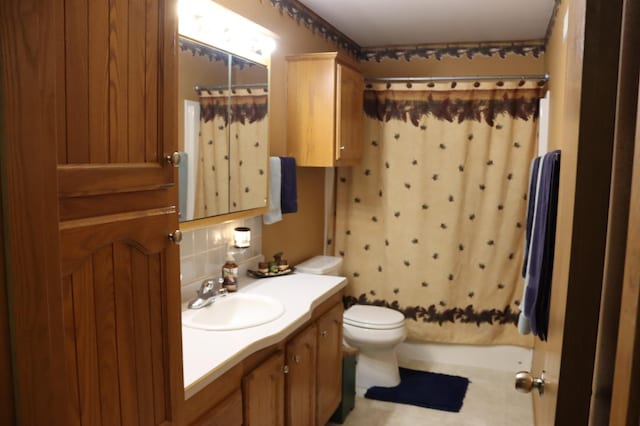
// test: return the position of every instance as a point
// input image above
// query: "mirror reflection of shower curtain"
(191, 131)
(212, 177)
(249, 131)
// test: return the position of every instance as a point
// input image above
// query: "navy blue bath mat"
(424, 389)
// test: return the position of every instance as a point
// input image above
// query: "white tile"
(186, 246)
(200, 240)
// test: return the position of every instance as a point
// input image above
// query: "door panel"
(115, 297)
(301, 379)
(263, 390)
(329, 371)
(113, 123)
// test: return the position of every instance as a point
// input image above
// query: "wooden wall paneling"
(75, 149)
(105, 311)
(98, 75)
(152, 144)
(32, 73)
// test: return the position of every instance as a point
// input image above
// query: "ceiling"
(377, 23)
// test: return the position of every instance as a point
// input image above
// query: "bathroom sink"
(234, 312)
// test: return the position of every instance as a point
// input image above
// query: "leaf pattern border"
(431, 314)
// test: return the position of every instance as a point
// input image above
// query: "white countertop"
(207, 355)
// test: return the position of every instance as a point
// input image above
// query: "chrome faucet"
(208, 293)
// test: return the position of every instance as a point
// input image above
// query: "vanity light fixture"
(212, 24)
(242, 237)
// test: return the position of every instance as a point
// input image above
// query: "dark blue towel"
(541, 251)
(531, 199)
(289, 191)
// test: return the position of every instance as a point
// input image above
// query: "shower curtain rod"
(544, 77)
(233, 86)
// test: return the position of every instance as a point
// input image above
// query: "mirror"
(223, 112)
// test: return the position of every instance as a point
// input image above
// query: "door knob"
(525, 382)
(173, 159)
(175, 236)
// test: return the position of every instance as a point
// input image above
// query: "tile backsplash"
(203, 252)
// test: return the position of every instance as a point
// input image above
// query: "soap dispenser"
(230, 273)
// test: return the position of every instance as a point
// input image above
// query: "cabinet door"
(227, 413)
(122, 319)
(263, 390)
(349, 104)
(118, 111)
(301, 379)
(329, 385)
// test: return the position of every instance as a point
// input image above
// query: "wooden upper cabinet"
(329, 371)
(324, 109)
(120, 70)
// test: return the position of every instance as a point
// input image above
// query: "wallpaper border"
(316, 24)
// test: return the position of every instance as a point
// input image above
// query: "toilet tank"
(321, 265)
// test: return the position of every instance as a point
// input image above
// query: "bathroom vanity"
(285, 372)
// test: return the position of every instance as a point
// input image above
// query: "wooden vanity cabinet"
(301, 378)
(325, 109)
(329, 369)
(226, 413)
(263, 390)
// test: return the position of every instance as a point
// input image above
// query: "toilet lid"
(375, 317)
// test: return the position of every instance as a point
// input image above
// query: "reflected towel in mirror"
(275, 186)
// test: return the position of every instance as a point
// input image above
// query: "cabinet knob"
(342, 147)
(324, 333)
(175, 236)
(173, 159)
(296, 359)
(285, 369)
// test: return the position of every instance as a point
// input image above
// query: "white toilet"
(374, 330)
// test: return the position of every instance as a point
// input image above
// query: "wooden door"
(582, 59)
(116, 282)
(329, 370)
(263, 391)
(301, 379)
(350, 116)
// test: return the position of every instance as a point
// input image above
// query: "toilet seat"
(373, 317)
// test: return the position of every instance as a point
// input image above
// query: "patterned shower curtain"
(232, 151)
(432, 221)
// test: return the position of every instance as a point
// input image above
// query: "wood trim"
(590, 211)
(626, 395)
(626, 122)
(78, 181)
(7, 416)
(32, 49)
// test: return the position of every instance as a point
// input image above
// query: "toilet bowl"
(376, 332)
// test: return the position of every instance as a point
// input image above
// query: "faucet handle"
(207, 288)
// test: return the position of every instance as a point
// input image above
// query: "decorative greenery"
(451, 109)
(432, 314)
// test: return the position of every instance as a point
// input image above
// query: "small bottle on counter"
(263, 267)
(230, 274)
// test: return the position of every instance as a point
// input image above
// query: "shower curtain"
(232, 151)
(432, 221)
